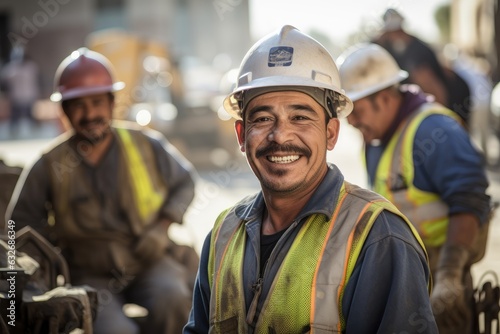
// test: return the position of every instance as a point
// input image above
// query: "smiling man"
(106, 194)
(310, 252)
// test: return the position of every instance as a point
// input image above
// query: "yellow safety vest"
(148, 193)
(395, 174)
(326, 251)
(143, 190)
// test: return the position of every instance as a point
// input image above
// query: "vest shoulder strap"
(148, 189)
(406, 133)
(215, 259)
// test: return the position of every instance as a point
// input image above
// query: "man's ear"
(240, 134)
(332, 133)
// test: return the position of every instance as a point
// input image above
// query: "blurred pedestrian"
(310, 252)
(476, 72)
(20, 79)
(420, 158)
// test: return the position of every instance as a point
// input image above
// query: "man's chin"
(94, 137)
(367, 138)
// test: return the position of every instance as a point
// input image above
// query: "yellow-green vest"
(395, 174)
(307, 291)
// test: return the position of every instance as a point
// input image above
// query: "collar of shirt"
(413, 97)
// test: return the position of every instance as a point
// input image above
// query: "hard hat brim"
(275, 84)
(402, 75)
(86, 91)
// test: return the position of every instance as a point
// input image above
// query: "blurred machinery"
(153, 93)
(157, 95)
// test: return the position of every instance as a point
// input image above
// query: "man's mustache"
(277, 148)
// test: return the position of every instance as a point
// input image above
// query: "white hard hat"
(366, 69)
(289, 60)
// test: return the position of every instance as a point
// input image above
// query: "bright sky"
(339, 18)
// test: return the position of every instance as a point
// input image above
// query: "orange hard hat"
(84, 73)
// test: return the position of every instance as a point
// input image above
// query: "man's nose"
(90, 110)
(281, 132)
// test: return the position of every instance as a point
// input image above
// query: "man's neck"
(283, 208)
(281, 211)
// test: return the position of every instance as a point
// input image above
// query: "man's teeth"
(283, 160)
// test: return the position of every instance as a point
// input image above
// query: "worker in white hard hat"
(310, 251)
(420, 157)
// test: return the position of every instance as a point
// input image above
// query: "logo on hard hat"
(280, 56)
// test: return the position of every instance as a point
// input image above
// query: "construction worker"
(106, 194)
(424, 68)
(420, 158)
(310, 252)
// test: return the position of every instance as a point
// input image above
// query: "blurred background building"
(194, 28)
(177, 57)
(171, 54)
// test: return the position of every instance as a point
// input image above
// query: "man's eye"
(261, 119)
(300, 118)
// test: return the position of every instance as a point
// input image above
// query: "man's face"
(285, 136)
(90, 116)
(368, 116)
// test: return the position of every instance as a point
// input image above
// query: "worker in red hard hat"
(113, 191)
(82, 74)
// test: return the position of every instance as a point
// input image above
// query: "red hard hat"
(84, 73)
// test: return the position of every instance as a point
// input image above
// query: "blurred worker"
(475, 71)
(310, 251)
(423, 66)
(106, 194)
(20, 79)
(420, 158)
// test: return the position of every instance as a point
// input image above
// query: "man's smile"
(283, 159)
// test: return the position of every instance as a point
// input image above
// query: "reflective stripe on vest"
(395, 174)
(147, 199)
(307, 292)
